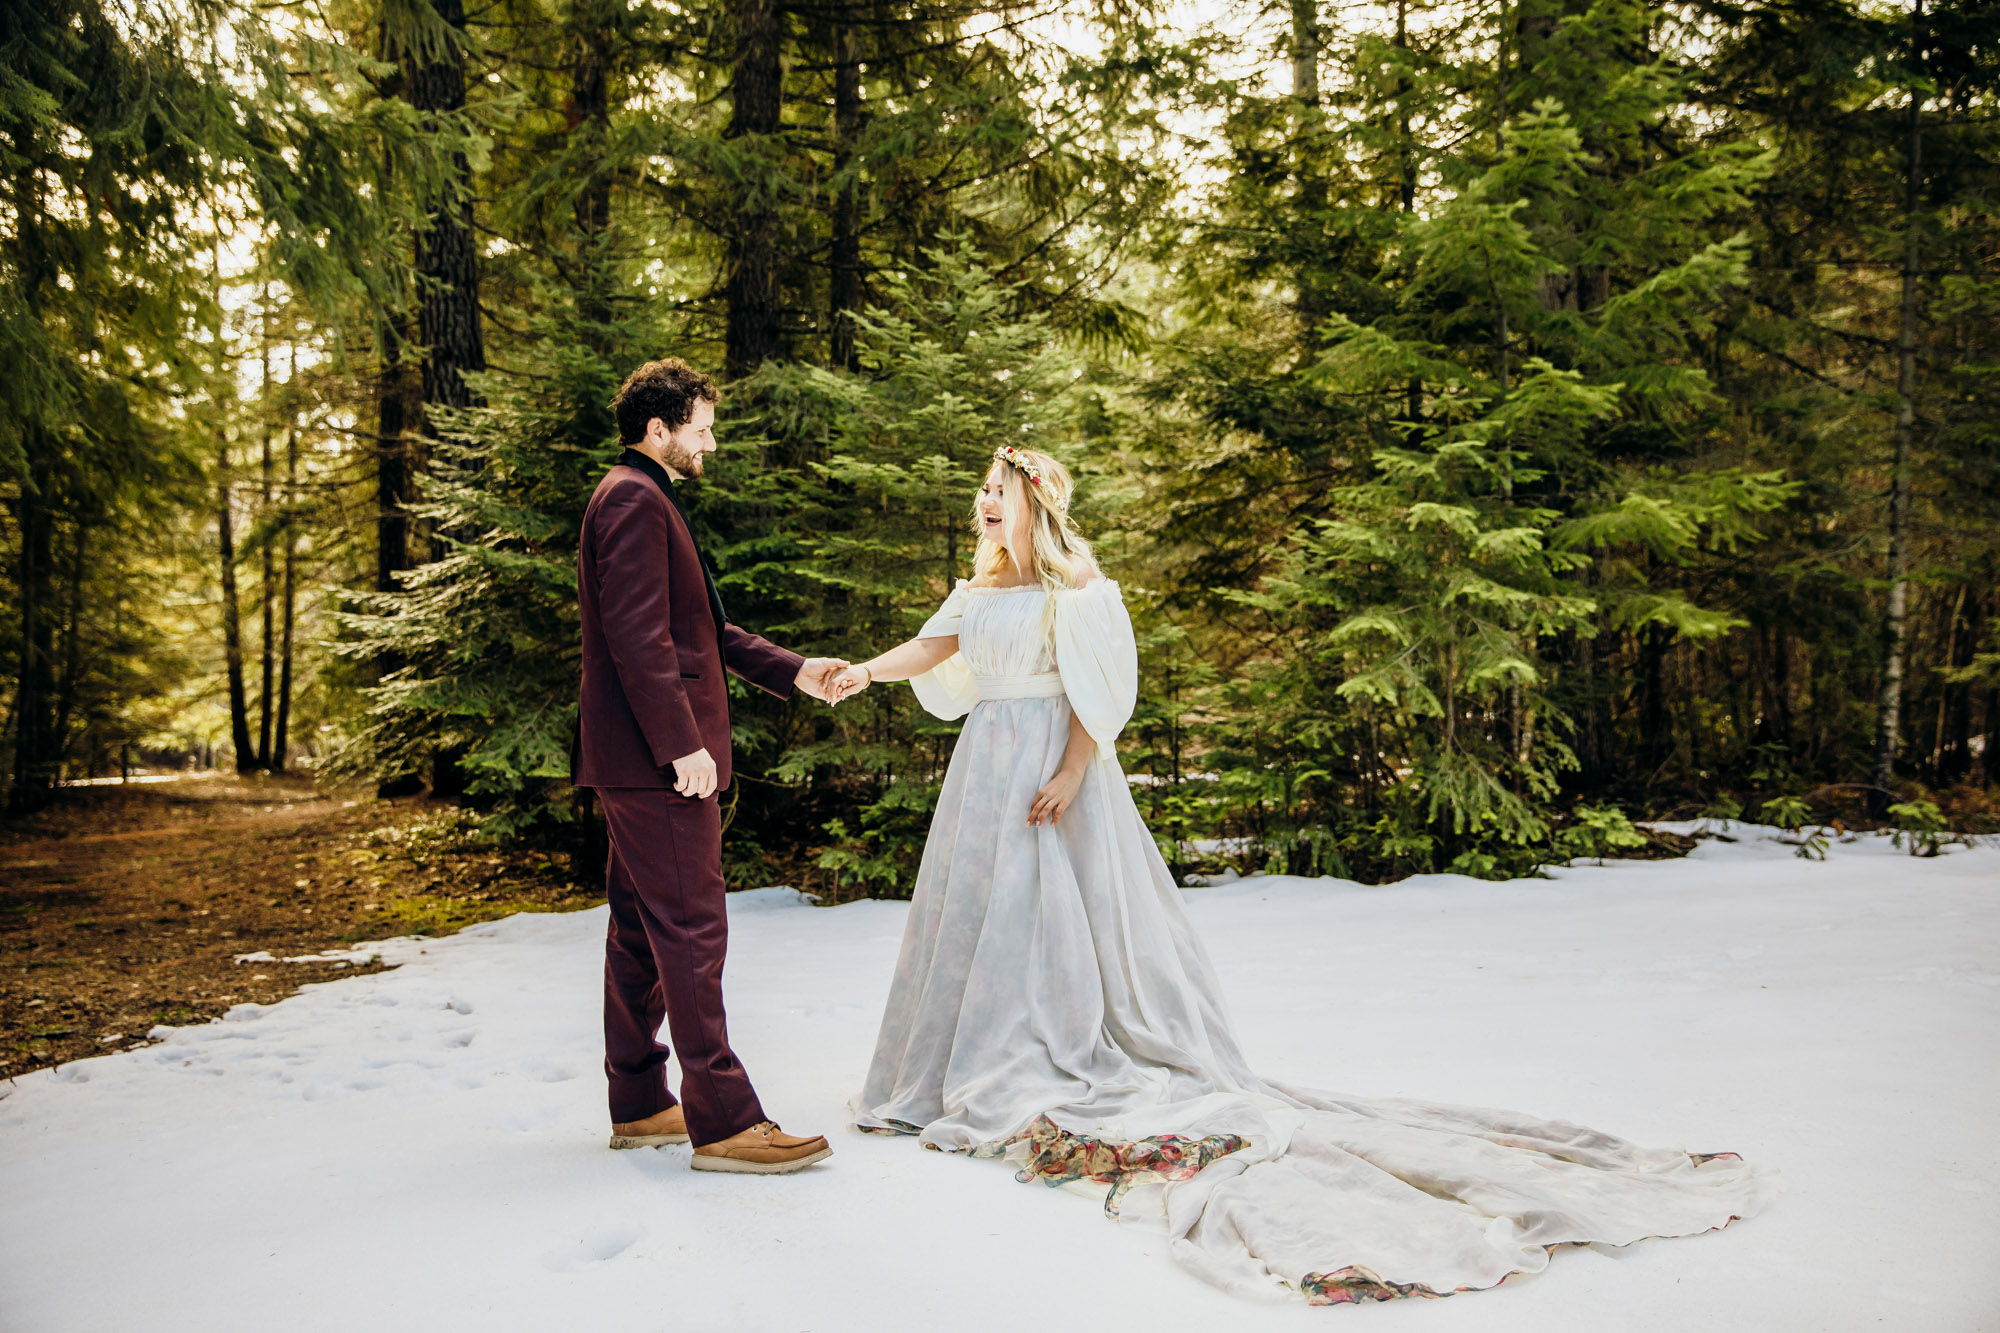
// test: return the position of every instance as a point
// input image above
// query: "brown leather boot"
(668, 1126)
(763, 1150)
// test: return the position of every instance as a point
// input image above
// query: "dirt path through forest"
(126, 906)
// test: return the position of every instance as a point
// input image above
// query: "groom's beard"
(681, 459)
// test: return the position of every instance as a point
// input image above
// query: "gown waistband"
(1040, 685)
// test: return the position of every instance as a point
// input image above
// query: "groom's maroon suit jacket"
(655, 640)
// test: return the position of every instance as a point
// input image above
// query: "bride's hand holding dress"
(1057, 794)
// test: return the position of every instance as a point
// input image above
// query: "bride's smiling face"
(1001, 522)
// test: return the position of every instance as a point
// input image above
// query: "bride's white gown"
(1053, 1005)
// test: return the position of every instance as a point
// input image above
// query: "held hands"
(816, 677)
(1055, 796)
(851, 681)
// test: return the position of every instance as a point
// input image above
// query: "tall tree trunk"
(1955, 756)
(1655, 740)
(755, 304)
(280, 737)
(1535, 24)
(35, 758)
(1947, 692)
(589, 120)
(232, 632)
(447, 267)
(394, 396)
(589, 116)
(1990, 746)
(72, 625)
(1781, 689)
(117, 635)
(1593, 774)
(1305, 51)
(393, 488)
(1406, 172)
(267, 680)
(844, 257)
(1406, 161)
(1889, 703)
(1313, 305)
(35, 755)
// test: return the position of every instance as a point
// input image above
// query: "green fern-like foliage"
(485, 639)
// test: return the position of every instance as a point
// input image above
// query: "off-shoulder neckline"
(1012, 587)
(1102, 580)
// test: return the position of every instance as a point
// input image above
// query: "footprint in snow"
(527, 1119)
(545, 1071)
(593, 1248)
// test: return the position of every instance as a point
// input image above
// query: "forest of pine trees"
(1508, 419)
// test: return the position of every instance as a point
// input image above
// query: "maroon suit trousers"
(663, 959)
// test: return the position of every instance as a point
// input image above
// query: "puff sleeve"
(947, 690)
(1099, 660)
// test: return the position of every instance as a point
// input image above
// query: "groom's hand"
(694, 774)
(816, 676)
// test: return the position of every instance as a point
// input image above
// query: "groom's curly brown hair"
(668, 389)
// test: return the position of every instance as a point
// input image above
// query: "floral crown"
(1007, 453)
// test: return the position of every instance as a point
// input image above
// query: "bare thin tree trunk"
(1957, 757)
(34, 699)
(1406, 164)
(279, 738)
(232, 632)
(1889, 704)
(1990, 759)
(1946, 690)
(72, 623)
(267, 679)
(35, 754)
(1406, 184)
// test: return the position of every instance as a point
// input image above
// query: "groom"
(653, 740)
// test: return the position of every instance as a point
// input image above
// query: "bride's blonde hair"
(1032, 478)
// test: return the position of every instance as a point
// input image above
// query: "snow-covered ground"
(424, 1148)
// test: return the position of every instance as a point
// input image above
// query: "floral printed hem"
(1353, 1285)
(1056, 1157)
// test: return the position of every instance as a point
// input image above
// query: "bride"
(1053, 1006)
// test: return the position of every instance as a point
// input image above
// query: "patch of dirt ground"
(126, 905)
